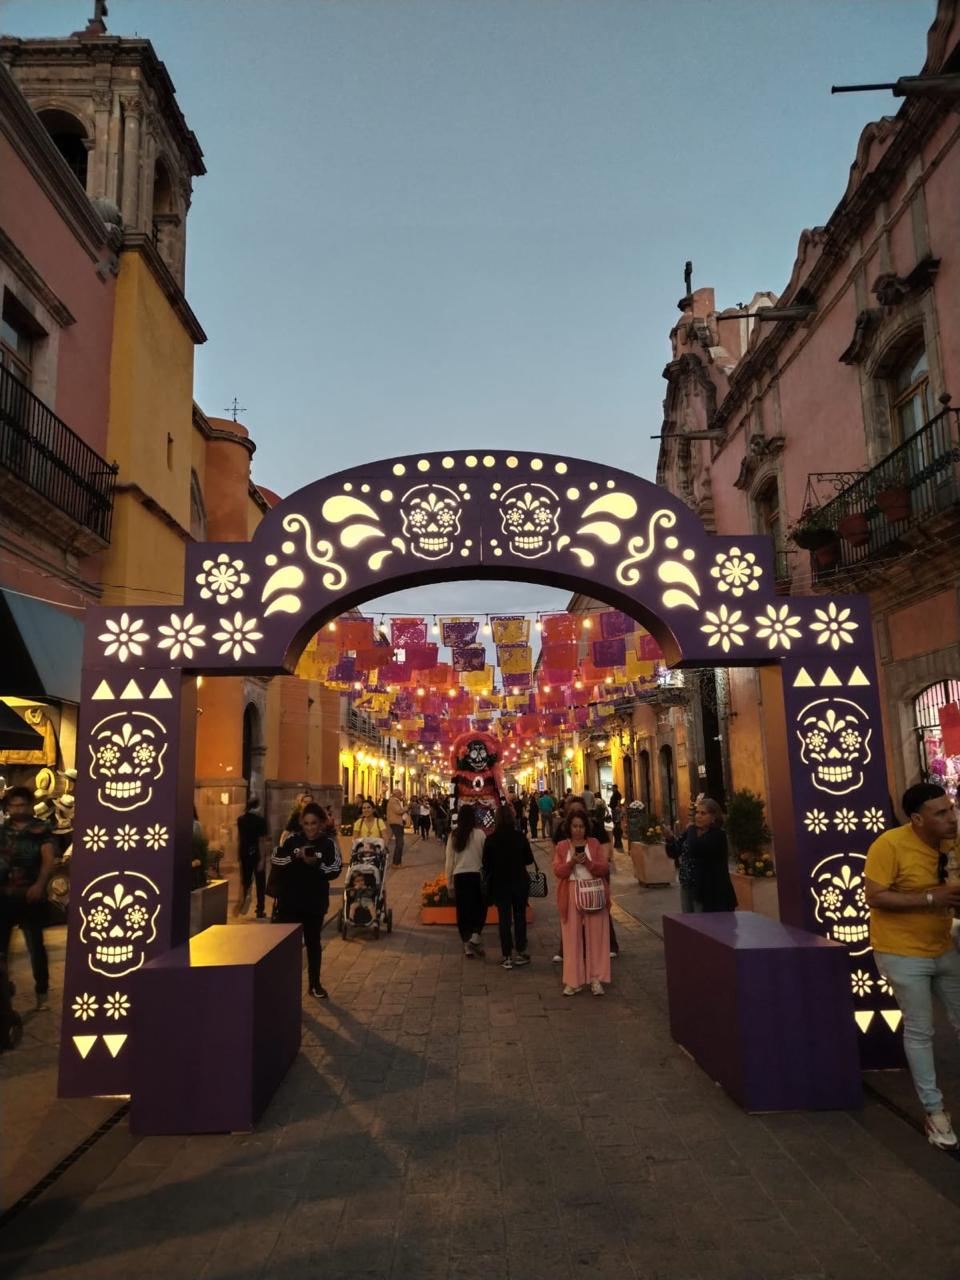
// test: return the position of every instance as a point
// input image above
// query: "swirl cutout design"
(319, 552)
(641, 547)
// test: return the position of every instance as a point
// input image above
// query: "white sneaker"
(940, 1131)
(558, 958)
(570, 991)
(596, 986)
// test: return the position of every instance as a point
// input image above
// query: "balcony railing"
(363, 726)
(917, 482)
(42, 452)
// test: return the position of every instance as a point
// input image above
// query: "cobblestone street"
(446, 1118)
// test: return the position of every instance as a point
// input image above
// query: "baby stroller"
(364, 895)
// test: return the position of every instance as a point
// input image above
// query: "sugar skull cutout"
(834, 738)
(119, 912)
(126, 758)
(840, 904)
(530, 517)
(431, 520)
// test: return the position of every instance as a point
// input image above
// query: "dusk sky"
(433, 224)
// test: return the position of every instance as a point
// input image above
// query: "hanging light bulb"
(486, 627)
(436, 627)
(587, 624)
(332, 626)
(538, 624)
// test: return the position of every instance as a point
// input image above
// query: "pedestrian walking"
(519, 813)
(583, 896)
(293, 822)
(616, 814)
(588, 799)
(303, 867)
(533, 809)
(369, 826)
(911, 905)
(396, 817)
(703, 859)
(28, 853)
(252, 843)
(423, 818)
(506, 857)
(546, 805)
(464, 868)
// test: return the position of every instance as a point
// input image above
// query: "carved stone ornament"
(864, 329)
(758, 450)
(891, 289)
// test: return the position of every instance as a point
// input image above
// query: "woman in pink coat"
(586, 934)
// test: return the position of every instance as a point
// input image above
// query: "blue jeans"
(915, 981)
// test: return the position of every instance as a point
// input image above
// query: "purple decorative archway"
(409, 521)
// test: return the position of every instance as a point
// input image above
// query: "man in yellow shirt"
(911, 912)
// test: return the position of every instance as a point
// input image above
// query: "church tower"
(110, 107)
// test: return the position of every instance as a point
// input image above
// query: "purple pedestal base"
(765, 1009)
(216, 1025)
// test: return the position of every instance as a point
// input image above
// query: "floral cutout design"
(95, 839)
(85, 1006)
(238, 635)
(834, 626)
(724, 628)
(778, 626)
(156, 836)
(816, 822)
(124, 637)
(222, 579)
(116, 1005)
(861, 982)
(127, 837)
(183, 635)
(845, 820)
(873, 820)
(736, 571)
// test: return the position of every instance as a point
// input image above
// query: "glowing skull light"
(530, 517)
(126, 758)
(431, 520)
(841, 906)
(834, 738)
(119, 912)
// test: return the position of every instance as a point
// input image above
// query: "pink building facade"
(829, 424)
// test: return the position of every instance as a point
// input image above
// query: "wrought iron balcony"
(919, 482)
(42, 452)
(363, 727)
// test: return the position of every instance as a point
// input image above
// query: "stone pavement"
(447, 1118)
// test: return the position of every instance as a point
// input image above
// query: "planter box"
(651, 864)
(208, 906)
(757, 893)
(448, 915)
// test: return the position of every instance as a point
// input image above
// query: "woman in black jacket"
(702, 852)
(506, 856)
(304, 865)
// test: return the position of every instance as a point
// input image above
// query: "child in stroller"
(364, 898)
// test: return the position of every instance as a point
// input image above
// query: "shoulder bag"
(538, 882)
(590, 894)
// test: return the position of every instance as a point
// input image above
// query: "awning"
(15, 733)
(41, 649)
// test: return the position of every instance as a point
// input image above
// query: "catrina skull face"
(476, 758)
(841, 907)
(119, 912)
(126, 758)
(834, 738)
(529, 516)
(431, 520)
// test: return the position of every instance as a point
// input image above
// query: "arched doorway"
(404, 522)
(253, 750)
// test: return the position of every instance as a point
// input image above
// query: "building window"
(767, 503)
(910, 393)
(18, 334)
(70, 139)
(937, 764)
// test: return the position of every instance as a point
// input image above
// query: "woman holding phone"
(582, 867)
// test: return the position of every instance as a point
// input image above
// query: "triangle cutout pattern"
(864, 1019)
(114, 1044)
(804, 680)
(858, 678)
(102, 693)
(830, 678)
(892, 1017)
(131, 690)
(161, 690)
(84, 1044)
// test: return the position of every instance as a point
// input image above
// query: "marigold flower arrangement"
(434, 893)
(755, 864)
(653, 832)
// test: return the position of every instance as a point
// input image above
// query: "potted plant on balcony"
(813, 531)
(854, 528)
(754, 875)
(893, 494)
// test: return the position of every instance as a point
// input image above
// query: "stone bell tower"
(110, 106)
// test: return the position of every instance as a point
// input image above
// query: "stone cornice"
(154, 507)
(114, 51)
(137, 242)
(34, 281)
(30, 140)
